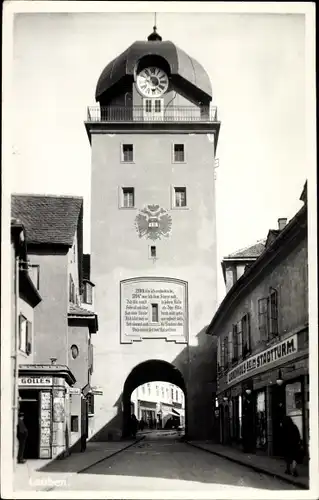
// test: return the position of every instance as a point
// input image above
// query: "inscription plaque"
(154, 308)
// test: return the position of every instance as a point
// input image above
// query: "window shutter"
(262, 317)
(219, 364)
(239, 339)
(273, 313)
(92, 358)
(230, 348)
(248, 333)
(235, 343)
(29, 338)
(226, 352)
(20, 330)
(222, 356)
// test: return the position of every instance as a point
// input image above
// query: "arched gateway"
(154, 136)
(149, 371)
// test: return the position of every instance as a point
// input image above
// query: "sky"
(256, 63)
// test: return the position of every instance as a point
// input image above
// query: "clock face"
(152, 82)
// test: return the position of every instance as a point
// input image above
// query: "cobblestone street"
(162, 462)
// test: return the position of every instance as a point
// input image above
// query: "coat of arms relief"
(153, 222)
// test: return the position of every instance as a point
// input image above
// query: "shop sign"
(35, 381)
(263, 359)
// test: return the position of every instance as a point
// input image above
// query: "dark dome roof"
(181, 65)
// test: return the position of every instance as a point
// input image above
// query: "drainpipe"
(15, 359)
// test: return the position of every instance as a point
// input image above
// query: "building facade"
(54, 377)
(157, 403)
(153, 135)
(25, 298)
(262, 330)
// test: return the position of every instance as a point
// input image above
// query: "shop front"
(147, 413)
(44, 400)
(258, 393)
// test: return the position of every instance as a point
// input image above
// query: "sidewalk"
(260, 463)
(43, 475)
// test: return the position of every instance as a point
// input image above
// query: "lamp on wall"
(279, 380)
(248, 392)
(225, 398)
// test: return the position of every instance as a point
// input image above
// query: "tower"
(153, 136)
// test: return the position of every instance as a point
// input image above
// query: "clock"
(152, 82)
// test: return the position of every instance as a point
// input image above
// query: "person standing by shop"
(22, 434)
(291, 445)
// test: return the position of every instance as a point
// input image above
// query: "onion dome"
(185, 72)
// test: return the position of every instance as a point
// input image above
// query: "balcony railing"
(140, 114)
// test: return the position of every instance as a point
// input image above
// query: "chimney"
(282, 224)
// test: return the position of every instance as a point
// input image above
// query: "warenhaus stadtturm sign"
(266, 358)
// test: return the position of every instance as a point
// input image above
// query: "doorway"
(29, 405)
(278, 412)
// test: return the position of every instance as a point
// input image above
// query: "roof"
(296, 226)
(181, 65)
(252, 251)
(272, 235)
(75, 310)
(48, 219)
(89, 317)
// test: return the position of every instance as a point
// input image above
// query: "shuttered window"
(239, 339)
(226, 353)
(22, 333)
(263, 318)
(230, 348)
(273, 314)
(235, 343)
(91, 358)
(246, 334)
(28, 349)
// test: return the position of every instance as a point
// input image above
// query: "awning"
(175, 412)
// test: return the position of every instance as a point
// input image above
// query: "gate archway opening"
(150, 371)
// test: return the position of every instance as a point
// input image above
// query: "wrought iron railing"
(139, 113)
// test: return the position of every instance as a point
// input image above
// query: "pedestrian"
(134, 425)
(291, 445)
(22, 435)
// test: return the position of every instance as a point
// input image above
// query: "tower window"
(128, 197)
(154, 308)
(180, 196)
(127, 153)
(148, 105)
(179, 153)
(158, 105)
(153, 251)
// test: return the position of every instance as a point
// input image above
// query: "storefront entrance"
(287, 399)
(30, 406)
(278, 413)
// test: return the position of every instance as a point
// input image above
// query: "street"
(162, 462)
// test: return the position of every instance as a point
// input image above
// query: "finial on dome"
(154, 37)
